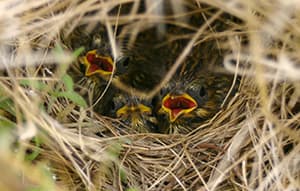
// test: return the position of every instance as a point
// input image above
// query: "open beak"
(96, 64)
(130, 109)
(177, 105)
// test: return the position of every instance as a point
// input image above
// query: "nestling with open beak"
(196, 91)
(190, 99)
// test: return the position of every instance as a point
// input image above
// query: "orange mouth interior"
(97, 64)
(178, 105)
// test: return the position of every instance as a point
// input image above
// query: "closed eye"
(202, 91)
(125, 62)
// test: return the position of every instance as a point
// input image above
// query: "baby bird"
(135, 113)
(194, 94)
(145, 60)
(95, 66)
(186, 104)
(96, 60)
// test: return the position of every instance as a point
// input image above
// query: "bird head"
(177, 105)
(134, 112)
(97, 64)
(186, 102)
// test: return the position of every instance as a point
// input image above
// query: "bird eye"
(161, 92)
(123, 64)
(202, 91)
(154, 101)
(113, 105)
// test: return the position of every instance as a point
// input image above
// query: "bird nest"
(52, 140)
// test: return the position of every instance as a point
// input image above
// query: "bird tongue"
(179, 105)
(99, 63)
(175, 112)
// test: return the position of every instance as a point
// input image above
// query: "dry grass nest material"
(251, 144)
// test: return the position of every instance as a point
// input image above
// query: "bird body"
(94, 67)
